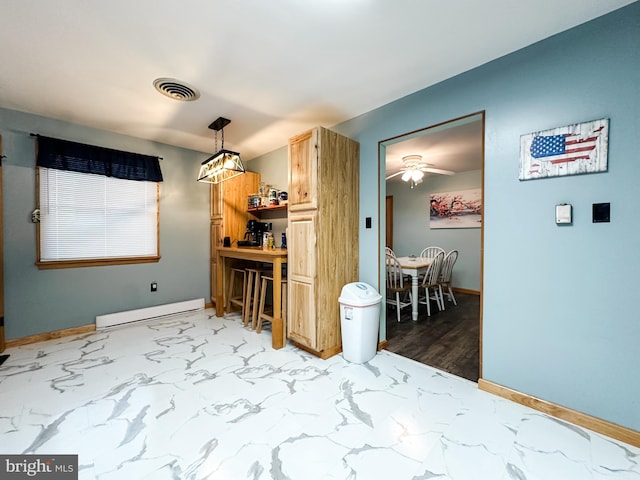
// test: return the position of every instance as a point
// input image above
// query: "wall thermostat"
(563, 214)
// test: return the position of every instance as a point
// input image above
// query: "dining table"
(275, 256)
(414, 266)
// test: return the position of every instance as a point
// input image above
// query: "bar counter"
(277, 257)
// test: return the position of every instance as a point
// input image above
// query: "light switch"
(601, 212)
(563, 214)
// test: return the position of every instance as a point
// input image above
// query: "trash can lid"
(359, 294)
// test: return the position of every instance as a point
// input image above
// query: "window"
(89, 219)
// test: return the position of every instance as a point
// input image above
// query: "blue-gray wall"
(38, 301)
(560, 318)
(411, 232)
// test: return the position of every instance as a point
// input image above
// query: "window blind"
(86, 216)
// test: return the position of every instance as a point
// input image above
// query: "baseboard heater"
(121, 318)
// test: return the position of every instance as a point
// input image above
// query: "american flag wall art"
(571, 150)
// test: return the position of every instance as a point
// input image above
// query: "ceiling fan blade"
(437, 170)
(394, 174)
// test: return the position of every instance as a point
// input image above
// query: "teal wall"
(560, 318)
(411, 232)
(38, 301)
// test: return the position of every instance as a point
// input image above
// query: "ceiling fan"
(414, 169)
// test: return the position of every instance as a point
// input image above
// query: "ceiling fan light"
(406, 176)
(417, 175)
(412, 158)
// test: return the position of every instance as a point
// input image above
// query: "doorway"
(451, 158)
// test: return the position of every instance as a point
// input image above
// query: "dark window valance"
(78, 157)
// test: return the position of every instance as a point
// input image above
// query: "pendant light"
(224, 164)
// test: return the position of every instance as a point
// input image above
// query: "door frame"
(389, 221)
(382, 209)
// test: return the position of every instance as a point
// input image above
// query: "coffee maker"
(253, 235)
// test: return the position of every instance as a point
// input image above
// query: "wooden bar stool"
(234, 298)
(253, 294)
(263, 293)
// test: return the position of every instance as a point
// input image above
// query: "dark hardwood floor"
(447, 340)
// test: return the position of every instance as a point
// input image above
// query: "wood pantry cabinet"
(229, 214)
(322, 236)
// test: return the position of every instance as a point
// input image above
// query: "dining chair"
(398, 290)
(431, 252)
(430, 281)
(445, 276)
(389, 251)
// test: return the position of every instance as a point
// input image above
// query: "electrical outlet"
(154, 287)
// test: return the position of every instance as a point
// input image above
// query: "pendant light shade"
(220, 167)
(224, 164)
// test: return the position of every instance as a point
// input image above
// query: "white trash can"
(359, 320)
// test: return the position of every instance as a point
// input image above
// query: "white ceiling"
(274, 68)
(454, 146)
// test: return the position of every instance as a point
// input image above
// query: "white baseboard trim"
(121, 318)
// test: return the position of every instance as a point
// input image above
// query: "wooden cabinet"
(322, 236)
(303, 171)
(229, 215)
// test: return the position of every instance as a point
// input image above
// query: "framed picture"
(461, 209)
(571, 150)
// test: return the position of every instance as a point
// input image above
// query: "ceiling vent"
(176, 89)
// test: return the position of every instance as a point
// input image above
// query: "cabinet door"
(216, 201)
(229, 215)
(303, 171)
(301, 314)
(301, 266)
(302, 246)
(236, 191)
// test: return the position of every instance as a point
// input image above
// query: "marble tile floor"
(199, 397)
